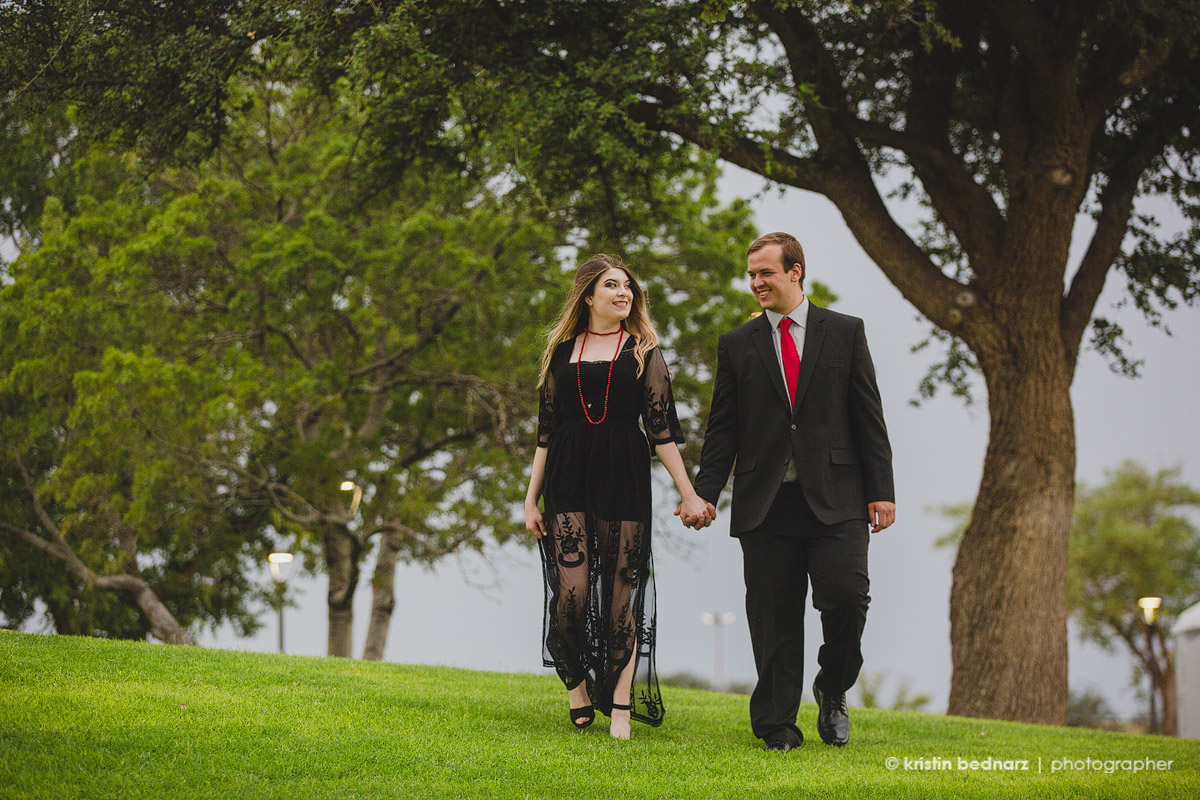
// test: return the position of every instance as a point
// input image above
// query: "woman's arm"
(692, 508)
(537, 475)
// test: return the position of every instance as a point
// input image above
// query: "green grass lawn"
(94, 719)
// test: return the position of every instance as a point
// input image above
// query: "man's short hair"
(793, 253)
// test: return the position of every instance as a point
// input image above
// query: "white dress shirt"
(799, 318)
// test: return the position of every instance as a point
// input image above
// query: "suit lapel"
(764, 344)
(814, 333)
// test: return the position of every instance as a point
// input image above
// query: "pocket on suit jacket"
(744, 465)
(832, 363)
(838, 456)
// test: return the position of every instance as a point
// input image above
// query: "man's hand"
(880, 515)
(696, 512)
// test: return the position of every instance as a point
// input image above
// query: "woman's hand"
(533, 520)
(695, 512)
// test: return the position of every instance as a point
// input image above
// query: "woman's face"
(612, 296)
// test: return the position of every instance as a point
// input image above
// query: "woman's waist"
(609, 420)
(610, 426)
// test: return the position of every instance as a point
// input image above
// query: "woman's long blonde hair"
(574, 316)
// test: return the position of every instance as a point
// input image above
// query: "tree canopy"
(275, 320)
(102, 521)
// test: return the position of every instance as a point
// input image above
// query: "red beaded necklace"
(579, 370)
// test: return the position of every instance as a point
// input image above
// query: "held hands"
(880, 515)
(695, 512)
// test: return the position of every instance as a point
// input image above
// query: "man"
(796, 416)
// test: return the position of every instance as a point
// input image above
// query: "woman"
(601, 371)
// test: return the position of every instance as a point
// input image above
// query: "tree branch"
(421, 453)
(770, 162)
(311, 517)
(1116, 207)
(1117, 78)
(38, 509)
(1027, 27)
(291, 343)
(1112, 223)
(45, 545)
(811, 64)
(966, 208)
(840, 171)
(427, 333)
(1071, 18)
(58, 547)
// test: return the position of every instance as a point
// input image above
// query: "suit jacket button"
(793, 427)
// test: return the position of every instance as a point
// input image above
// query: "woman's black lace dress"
(596, 552)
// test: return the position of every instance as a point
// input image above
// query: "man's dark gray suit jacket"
(836, 433)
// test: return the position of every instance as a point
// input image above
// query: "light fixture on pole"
(351, 486)
(718, 623)
(1149, 605)
(275, 560)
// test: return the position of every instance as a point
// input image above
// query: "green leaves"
(201, 355)
(1133, 538)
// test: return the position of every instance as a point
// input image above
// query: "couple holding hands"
(795, 416)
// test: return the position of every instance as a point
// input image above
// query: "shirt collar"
(799, 315)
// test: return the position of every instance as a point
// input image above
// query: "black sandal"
(582, 717)
(619, 707)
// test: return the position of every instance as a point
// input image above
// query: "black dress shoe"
(784, 743)
(833, 718)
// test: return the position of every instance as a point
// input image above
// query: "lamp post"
(1149, 605)
(275, 560)
(718, 623)
(351, 486)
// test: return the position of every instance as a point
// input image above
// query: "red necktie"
(791, 359)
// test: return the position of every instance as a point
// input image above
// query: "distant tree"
(870, 687)
(98, 518)
(1132, 538)
(686, 680)
(1089, 709)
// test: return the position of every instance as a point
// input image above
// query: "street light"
(718, 623)
(351, 486)
(1149, 605)
(275, 560)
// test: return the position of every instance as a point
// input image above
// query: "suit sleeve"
(720, 437)
(866, 418)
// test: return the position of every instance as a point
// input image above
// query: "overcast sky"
(486, 613)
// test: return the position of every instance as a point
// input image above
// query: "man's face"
(775, 288)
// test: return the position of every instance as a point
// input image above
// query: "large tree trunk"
(342, 554)
(383, 597)
(1008, 620)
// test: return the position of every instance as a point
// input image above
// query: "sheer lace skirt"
(600, 608)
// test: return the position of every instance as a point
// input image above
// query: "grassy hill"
(96, 719)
